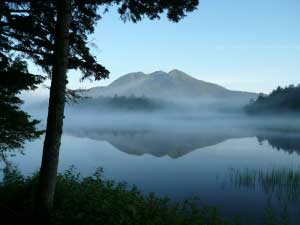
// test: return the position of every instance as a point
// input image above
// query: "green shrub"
(93, 201)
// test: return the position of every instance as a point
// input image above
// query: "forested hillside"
(281, 100)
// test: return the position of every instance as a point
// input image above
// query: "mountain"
(173, 85)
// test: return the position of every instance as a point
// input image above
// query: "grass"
(284, 183)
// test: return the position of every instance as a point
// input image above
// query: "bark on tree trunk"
(48, 170)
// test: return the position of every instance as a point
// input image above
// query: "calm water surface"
(240, 170)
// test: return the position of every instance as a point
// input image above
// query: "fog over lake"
(238, 163)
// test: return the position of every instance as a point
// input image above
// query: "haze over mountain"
(173, 85)
(159, 91)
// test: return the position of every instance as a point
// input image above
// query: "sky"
(242, 45)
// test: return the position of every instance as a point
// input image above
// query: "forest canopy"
(281, 100)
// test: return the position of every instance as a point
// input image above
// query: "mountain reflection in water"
(178, 143)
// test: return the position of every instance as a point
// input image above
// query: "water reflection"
(193, 174)
(288, 142)
(283, 183)
(280, 185)
(160, 143)
(176, 143)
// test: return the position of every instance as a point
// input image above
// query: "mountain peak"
(159, 72)
(172, 85)
(175, 71)
(180, 75)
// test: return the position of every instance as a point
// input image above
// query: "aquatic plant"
(283, 182)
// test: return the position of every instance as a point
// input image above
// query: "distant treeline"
(281, 100)
(146, 104)
(131, 103)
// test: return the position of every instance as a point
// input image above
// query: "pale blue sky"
(251, 45)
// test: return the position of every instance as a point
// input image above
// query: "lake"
(242, 166)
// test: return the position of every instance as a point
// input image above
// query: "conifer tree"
(54, 34)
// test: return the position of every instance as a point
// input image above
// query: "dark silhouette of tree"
(16, 126)
(54, 35)
(281, 100)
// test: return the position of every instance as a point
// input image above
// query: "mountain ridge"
(172, 85)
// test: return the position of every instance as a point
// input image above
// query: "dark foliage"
(281, 100)
(16, 126)
(121, 103)
(94, 200)
(29, 27)
(54, 34)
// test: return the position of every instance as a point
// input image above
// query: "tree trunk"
(48, 171)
